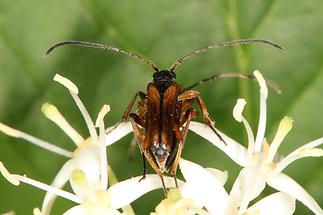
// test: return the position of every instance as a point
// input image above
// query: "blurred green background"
(161, 31)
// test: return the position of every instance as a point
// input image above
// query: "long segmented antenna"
(269, 82)
(224, 44)
(100, 46)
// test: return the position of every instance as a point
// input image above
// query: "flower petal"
(178, 207)
(286, 184)
(221, 176)
(115, 133)
(76, 210)
(125, 192)
(203, 187)
(233, 149)
(80, 184)
(87, 159)
(9, 213)
(246, 187)
(277, 203)
(60, 180)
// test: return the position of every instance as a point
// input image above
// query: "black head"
(163, 79)
(164, 76)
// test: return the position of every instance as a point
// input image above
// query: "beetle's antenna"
(225, 44)
(269, 82)
(100, 46)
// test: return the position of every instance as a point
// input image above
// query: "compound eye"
(173, 76)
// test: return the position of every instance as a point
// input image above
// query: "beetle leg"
(132, 148)
(186, 114)
(191, 94)
(181, 136)
(186, 104)
(153, 164)
(142, 95)
(145, 168)
(138, 120)
(139, 136)
(126, 114)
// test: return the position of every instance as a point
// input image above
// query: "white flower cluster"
(202, 192)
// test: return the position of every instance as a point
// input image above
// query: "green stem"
(240, 54)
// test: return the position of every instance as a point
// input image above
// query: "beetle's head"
(161, 153)
(164, 76)
(162, 79)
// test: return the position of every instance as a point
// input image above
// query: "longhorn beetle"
(161, 122)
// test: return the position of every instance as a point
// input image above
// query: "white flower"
(95, 201)
(259, 159)
(87, 168)
(203, 193)
(90, 154)
(176, 204)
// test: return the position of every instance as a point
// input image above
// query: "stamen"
(10, 131)
(285, 126)
(16, 179)
(74, 91)
(53, 114)
(103, 151)
(8, 176)
(36, 211)
(313, 152)
(86, 117)
(237, 114)
(45, 187)
(34, 140)
(309, 145)
(66, 83)
(262, 83)
(263, 111)
(238, 109)
(104, 110)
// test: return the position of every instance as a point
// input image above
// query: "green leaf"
(161, 31)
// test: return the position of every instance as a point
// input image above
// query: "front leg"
(126, 114)
(142, 96)
(191, 94)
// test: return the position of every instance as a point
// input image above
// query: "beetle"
(161, 122)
